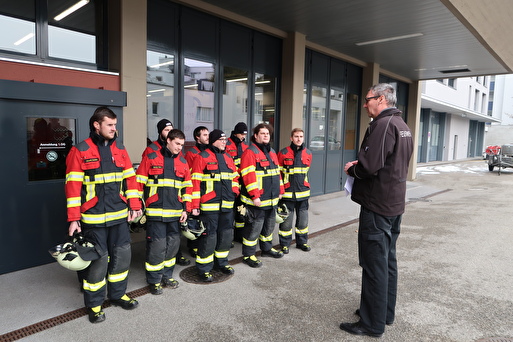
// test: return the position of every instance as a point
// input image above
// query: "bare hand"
(349, 164)
(74, 226)
(257, 202)
(133, 214)
(195, 212)
(183, 217)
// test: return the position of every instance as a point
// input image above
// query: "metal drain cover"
(190, 275)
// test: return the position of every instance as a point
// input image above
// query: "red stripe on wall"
(67, 77)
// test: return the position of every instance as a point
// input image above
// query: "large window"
(64, 30)
(265, 99)
(160, 83)
(199, 96)
(235, 98)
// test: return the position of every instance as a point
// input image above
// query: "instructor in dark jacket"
(379, 187)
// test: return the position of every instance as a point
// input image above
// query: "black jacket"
(380, 175)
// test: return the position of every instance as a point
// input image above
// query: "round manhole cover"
(190, 275)
(496, 339)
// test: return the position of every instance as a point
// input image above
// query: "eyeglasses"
(223, 139)
(367, 99)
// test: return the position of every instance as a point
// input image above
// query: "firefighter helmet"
(75, 255)
(282, 212)
(192, 228)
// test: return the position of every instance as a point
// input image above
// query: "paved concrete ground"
(455, 278)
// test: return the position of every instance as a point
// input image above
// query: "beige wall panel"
(133, 75)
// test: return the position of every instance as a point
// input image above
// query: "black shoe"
(285, 249)
(227, 269)
(272, 253)
(183, 261)
(357, 313)
(155, 289)
(96, 317)
(125, 304)
(207, 277)
(357, 329)
(193, 252)
(304, 247)
(170, 282)
(252, 261)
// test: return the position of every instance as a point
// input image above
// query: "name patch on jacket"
(405, 134)
(91, 160)
(156, 166)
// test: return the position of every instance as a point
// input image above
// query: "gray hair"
(387, 90)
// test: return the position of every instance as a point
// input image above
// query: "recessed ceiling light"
(389, 39)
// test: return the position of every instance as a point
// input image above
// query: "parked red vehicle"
(500, 156)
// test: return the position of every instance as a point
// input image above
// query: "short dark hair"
(258, 127)
(197, 132)
(175, 133)
(99, 115)
(296, 130)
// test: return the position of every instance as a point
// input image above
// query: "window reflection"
(235, 98)
(72, 30)
(335, 119)
(265, 99)
(199, 95)
(48, 143)
(318, 118)
(160, 81)
(17, 23)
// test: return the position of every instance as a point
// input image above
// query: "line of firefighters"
(230, 188)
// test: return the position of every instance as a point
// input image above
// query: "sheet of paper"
(348, 187)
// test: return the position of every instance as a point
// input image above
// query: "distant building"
(454, 117)
(502, 108)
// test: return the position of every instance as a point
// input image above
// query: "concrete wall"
(456, 126)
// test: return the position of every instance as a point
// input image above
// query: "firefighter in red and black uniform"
(215, 186)
(101, 193)
(295, 162)
(261, 192)
(201, 138)
(235, 146)
(165, 179)
(163, 128)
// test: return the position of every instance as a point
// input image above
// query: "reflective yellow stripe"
(163, 212)
(94, 287)
(285, 233)
(106, 217)
(249, 243)
(302, 231)
(153, 268)
(114, 278)
(75, 177)
(74, 202)
(239, 224)
(227, 204)
(266, 238)
(170, 263)
(206, 260)
(221, 255)
(209, 206)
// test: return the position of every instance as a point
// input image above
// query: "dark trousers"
(162, 244)
(107, 275)
(258, 228)
(377, 237)
(300, 208)
(215, 245)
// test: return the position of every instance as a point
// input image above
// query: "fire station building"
(289, 63)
